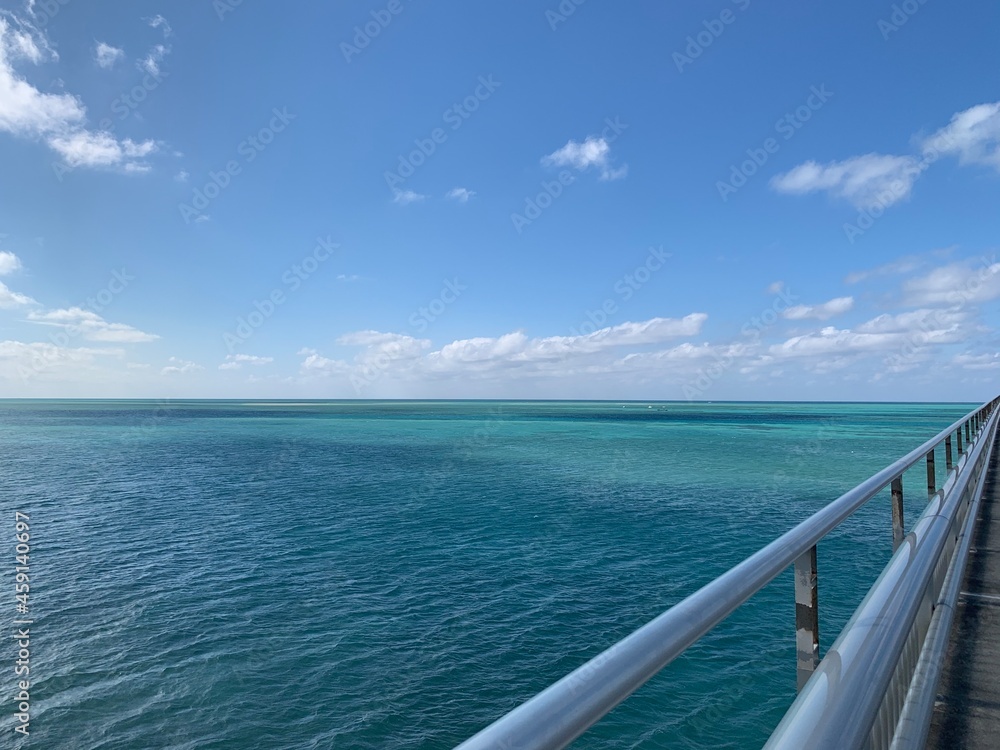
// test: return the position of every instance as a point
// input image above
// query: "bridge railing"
(888, 629)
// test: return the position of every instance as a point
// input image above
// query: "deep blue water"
(398, 574)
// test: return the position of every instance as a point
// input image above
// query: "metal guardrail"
(863, 682)
(859, 691)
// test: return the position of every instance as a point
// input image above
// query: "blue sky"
(713, 200)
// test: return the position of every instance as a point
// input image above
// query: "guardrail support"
(563, 711)
(948, 461)
(931, 478)
(806, 616)
(897, 512)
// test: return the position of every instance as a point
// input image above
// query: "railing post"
(968, 436)
(961, 448)
(806, 616)
(931, 478)
(897, 512)
(948, 459)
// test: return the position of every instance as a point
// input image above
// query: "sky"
(727, 200)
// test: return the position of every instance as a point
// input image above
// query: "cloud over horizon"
(972, 135)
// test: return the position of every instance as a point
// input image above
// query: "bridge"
(918, 664)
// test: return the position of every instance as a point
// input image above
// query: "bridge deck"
(967, 712)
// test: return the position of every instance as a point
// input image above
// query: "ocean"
(388, 574)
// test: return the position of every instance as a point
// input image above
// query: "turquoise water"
(399, 574)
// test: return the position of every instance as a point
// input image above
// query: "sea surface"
(363, 574)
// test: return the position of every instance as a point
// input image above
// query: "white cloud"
(380, 352)
(19, 359)
(236, 361)
(460, 194)
(824, 311)
(906, 264)
(865, 181)
(348, 277)
(22, 45)
(137, 150)
(76, 321)
(978, 361)
(181, 176)
(775, 287)
(844, 342)
(8, 262)
(89, 149)
(955, 284)
(381, 346)
(151, 62)
(685, 357)
(973, 136)
(514, 354)
(57, 118)
(506, 347)
(159, 22)
(319, 365)
(516, 347)
(24, 110)
(24, 40)
(106, 56)
(915, 320)
(593, 152)
(829, 341)
(405, 197)
(9, 298)
(180, 366)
